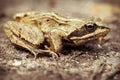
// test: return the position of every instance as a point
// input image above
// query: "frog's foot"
(40, 51)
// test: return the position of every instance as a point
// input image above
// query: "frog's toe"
(53, 54)
(35, 53)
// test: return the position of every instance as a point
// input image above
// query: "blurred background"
(104, 9)
(92, 64)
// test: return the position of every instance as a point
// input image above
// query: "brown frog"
(46, 32)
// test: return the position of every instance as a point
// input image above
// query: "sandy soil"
(88, 62)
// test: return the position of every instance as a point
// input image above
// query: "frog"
(46, 32)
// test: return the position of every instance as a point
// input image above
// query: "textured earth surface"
(88, 62)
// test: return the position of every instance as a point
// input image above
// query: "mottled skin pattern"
(33, 29)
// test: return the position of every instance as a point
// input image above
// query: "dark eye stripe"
(83, 31)
(78, 33)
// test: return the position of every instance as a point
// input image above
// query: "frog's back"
(47, 21)
(37, 16)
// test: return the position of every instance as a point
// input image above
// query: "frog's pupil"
(90, 26)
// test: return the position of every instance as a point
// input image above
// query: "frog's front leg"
(29, 37)
(55, 40)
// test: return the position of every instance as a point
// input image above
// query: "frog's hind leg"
(18, 37)
(34, 50)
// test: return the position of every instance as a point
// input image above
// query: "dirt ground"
(87, 62)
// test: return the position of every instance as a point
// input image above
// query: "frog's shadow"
(20, 48)
(68, 49)
(90, 47)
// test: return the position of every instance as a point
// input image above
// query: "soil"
(88, 62)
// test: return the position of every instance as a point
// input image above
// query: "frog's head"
(88, 32)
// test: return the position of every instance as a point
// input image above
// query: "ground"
(88, 62)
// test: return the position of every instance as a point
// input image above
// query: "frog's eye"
(90, 27)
